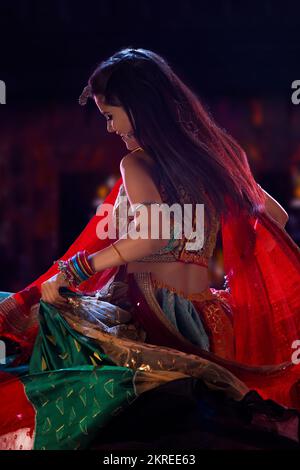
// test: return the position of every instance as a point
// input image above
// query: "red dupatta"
(262, 265)
(17, 322)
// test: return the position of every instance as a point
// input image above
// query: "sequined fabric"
(94, 318)
(108, 310)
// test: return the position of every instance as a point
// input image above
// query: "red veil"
(262, 267)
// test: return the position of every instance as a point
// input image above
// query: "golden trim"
(195, 296)
(144, 358)
(144, 282)
(149, 358)
(178, 253)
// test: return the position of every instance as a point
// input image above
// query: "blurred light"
(102, 192)
(257, 112)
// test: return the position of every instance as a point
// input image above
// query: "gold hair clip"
(85, 95)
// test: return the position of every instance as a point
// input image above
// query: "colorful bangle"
(85, 265)
(65, 270)
(77, 268)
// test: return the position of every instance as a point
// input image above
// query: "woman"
(119, 315)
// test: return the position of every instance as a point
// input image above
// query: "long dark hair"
(172, 126)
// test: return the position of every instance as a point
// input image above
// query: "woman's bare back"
(185, 277)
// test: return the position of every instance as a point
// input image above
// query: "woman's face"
(118, 122)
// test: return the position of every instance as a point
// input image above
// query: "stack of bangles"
(76, 269)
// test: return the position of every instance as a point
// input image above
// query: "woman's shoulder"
(137, 157)
(139, 178)
(139, 161)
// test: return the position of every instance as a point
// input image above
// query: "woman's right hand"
(50, 290)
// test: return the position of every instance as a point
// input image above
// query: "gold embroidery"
(78, 346)
(60, 405)
(83, 425)
(83, 396)
(64, 356)
(97, 356)
(44, 364)
(147, 359)
(109, 387)
(125, 352)
(63, 329)
(93, 361)
(46, 426)
(96, 408)
(220, 328)
(178, 252)
(117, 411)
(72, 416)
(59, 432)
(51, 339)
(204, 295)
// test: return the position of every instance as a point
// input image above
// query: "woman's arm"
(275, 210)
(139, 187)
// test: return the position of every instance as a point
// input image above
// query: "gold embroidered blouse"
(177, 249)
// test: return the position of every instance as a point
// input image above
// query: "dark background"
(56, 160)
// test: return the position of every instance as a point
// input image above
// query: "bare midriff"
(184, 277)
